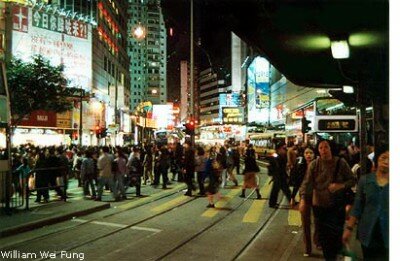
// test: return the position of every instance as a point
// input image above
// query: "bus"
(264, 143)
(5, 144)
(330, 119)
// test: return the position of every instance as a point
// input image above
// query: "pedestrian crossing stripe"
(211, 212)
(170, 204)
(254, 213)
(294, 218)
(148, 199)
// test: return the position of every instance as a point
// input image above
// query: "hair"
(106, 149)
(332, 145)
(88, 154)
(25, 161)
(279, 145)
(200, 151)
(309, 147)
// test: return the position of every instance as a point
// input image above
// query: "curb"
(50, 221)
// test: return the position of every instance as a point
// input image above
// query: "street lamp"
(138, 32)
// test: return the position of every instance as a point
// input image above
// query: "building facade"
(211, 86)
(90, 39)
(148, 67)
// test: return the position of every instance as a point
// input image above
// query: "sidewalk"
(55, 211)
(40, 214)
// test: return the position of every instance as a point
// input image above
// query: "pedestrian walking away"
(277, 170)
(250, 172)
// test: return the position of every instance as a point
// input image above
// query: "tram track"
(218, 221)
(132, 225)
(89, 221)
(193, 237)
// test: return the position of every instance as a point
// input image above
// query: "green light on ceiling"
(315, 42)
(366, 39)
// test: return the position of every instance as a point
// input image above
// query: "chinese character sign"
(57, 38)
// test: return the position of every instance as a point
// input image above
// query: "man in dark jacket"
(188, 167)
(277, 170)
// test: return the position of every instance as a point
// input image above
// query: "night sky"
(212, 37)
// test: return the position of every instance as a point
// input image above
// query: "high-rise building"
(111, 79)
(148, 67)
(211, 86)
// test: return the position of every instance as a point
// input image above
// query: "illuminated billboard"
(163, 115)
(59, 39)
(258, 90)
(232, 115)
(228, 100)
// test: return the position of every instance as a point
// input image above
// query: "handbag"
(342, 197)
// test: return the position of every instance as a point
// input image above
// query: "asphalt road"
(170, 226)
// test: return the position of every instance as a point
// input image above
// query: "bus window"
(333, 106)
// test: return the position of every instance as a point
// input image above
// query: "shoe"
(236, 183)
(45, 201)
(274, 206)
(306, 254)
(210, 206)
(259, 196)
(188, 194)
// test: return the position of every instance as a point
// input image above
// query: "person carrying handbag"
(327, 179)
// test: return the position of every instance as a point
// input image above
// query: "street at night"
(195, 130)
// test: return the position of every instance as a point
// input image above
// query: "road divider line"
(254, 213)
(155, 230)
(170, 204)
(109, 224)
(211, 212)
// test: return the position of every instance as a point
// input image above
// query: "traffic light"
(189, 127)
(103, 132)
(97, 129)
(305, 128)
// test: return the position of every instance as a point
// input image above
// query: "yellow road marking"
(294, 218)
(253, 214)
(170, 204)
(148, 199)
(211, 212)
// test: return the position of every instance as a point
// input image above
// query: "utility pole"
(191, 68)
(80, 117)
(362, 128)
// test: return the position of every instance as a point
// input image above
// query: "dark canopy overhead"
(295, 36)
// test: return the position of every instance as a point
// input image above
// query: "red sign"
(40, 119)
(20, 18)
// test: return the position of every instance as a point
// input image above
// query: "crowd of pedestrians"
(324, 178)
